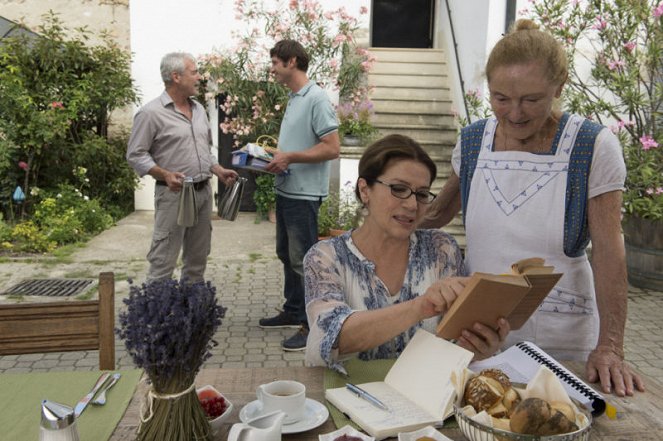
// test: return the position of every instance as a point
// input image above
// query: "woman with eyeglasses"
(369, 290)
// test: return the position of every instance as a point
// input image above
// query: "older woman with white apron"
(536, 182)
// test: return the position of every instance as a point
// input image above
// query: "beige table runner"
(21, 396)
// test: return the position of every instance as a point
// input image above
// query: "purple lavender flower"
(168, 326)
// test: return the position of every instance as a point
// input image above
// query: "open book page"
(402, 413)
(423, 371)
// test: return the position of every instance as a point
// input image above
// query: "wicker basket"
(475, 431)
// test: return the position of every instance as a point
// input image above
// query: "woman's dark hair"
(378, 155)
(285, 50)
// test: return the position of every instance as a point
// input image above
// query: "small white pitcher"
(262, 428)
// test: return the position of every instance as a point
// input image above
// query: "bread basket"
(475, 431)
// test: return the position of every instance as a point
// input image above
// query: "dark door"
(402, 23)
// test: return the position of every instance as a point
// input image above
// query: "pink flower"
(629, 46)
(23, 165)
(340, 38)
(293, 4)
(649, 191)
(659, 190)
(363, 10)
(57, 105)
(616, 64)
(648, 142)
(600, 24)
(658, 10)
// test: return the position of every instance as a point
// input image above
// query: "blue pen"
(361, 393)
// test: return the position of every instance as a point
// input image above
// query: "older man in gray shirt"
(171, 140)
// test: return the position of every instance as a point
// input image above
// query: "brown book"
(487, 297)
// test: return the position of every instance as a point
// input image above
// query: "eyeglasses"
(402, 191)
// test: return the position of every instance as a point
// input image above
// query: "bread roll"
(498, 375)
(535, 416)
(529, 415)
(491, 391)
(567, 409)
(482, 393)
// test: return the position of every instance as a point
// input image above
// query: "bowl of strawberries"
(216, 406)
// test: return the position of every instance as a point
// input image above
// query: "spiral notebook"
(521, 362)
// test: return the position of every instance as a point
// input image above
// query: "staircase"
(411, 97)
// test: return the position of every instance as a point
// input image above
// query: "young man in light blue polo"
(308, 141)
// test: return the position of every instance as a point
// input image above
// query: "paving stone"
(251, 288)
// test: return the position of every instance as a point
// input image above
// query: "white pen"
(361, 393)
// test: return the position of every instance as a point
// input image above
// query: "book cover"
(487, 297)
(417, 389)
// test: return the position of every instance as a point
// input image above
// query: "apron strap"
(576, 222)
(471, 138)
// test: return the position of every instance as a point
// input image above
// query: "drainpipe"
(455, 45)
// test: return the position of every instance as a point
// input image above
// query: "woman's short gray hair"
(174, 62)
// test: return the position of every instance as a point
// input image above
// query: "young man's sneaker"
(297, 342)
(282, 320)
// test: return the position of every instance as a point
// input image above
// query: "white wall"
(195, 26)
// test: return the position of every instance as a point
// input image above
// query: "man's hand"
(279, 163)
(606, 365)
(174, 180)
(226, 175)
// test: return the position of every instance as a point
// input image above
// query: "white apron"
(516, 210)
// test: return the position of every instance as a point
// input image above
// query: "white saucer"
(315, 414)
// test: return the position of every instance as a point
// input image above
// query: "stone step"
(430, 82)
(415, 69)
(408, 55)
(394, 119)
(423, 134)
(416, 107)
(410, 93)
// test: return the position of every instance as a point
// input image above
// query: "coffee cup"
(284, 395)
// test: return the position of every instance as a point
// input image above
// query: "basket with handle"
(268, 142)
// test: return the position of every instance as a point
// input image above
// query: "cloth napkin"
(187, 208)
(22, 394)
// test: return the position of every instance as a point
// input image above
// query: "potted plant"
(264, 197)
(338, 213)
(354, 123)
(624, 87)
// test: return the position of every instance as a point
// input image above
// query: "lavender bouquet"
(167, 328)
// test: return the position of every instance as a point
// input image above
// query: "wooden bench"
(28, 328)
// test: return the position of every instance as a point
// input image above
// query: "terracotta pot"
(271, 215)
(643, 239)
(333, 232)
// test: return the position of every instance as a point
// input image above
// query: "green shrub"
(58, 93)
(69, 216)
(27, 237)
(264, 195)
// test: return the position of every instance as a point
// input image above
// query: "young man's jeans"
(296, 232)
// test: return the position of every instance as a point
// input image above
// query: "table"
(640, 417)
